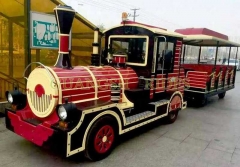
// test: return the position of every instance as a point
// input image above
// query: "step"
(160, 102)
(140, 116)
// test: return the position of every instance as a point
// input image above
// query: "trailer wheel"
(201, 102)
(221, 95)
(101, 139)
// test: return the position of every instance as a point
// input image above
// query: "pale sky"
(219, 15)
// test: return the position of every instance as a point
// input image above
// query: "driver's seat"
(139, 97)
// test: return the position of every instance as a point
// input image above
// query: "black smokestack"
(64, 17)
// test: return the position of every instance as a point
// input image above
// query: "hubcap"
(104, 139)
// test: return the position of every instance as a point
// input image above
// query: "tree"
(101, 27)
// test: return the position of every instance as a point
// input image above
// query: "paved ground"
(201, 137)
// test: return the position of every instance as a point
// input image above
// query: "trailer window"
(134, 48)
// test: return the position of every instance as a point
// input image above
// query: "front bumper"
(38, 134)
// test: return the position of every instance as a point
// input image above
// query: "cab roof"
(155, 30)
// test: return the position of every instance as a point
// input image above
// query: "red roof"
(201, 31)
(150, 26)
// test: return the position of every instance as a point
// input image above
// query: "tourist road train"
(138, 78)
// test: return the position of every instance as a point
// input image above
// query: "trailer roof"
(205, 37)
(201, 31)
(156, 30)
(207, 40)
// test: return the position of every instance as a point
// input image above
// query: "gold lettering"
(126, 83)
(89, 83)
(105, 85)
(65, 82)
(79, 83)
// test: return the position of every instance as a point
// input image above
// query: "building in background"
(18, 47)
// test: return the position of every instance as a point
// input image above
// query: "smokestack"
(64, 17)
(95, 59)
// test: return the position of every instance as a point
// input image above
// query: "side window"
(166, 64)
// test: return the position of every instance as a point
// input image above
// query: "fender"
(184, 104)
(97, 115)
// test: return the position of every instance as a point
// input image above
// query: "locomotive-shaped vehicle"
(85, 108)
(137, 80)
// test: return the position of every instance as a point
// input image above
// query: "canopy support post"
(236, 56)
(216, 54)
(199, 54)
(184, 50)
(229, 54)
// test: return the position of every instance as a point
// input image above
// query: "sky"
(218, 15)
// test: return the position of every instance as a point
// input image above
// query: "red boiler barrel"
(91, 83)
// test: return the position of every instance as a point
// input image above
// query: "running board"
(154, 107)
(138, 117)
(160, 102)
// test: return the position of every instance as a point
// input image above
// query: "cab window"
(134, 48)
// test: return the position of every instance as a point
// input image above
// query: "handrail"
(49, 73)
(7, 84)
(10, 82)
(1, 73)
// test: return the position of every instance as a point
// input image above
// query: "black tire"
(221, 95)
(172, 117)
(92, 151)
(200, 102)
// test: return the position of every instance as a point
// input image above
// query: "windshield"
(134, 48)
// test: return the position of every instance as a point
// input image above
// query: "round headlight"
(10, 98)
(62, 113)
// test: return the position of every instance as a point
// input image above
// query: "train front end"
(37, 114)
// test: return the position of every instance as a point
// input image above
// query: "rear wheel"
(174, 107)
(172, 116)
(101, 139)
(221, 95)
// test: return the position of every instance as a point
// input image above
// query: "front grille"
(40, 104)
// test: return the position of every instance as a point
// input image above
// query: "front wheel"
(101, 139)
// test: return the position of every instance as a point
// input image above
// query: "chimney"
(64, 17)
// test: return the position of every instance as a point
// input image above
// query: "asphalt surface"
(201, 137)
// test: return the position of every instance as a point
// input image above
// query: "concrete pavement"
(201, 137)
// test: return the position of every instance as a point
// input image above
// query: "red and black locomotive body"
(137, 80)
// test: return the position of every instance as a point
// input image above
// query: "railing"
(8, 83)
